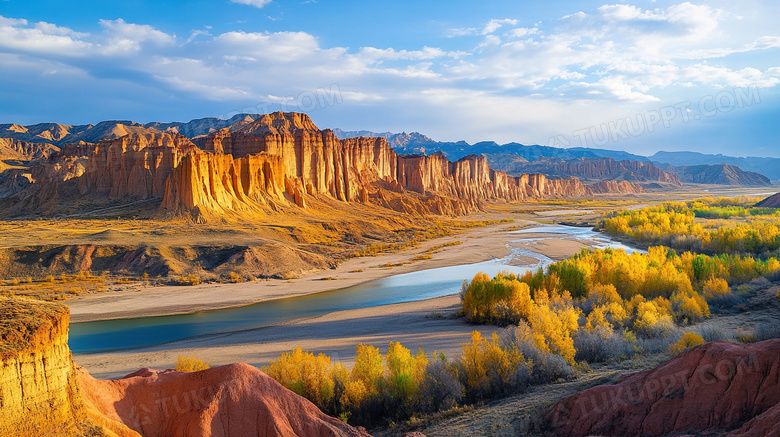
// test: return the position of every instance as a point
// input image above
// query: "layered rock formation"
(16, 157)
(13, 149)
(589, 168)
(43, 394)
(39, 394)
(133, 166)
(611, 187)
(714, 388)
(719, 174)
(276, 159)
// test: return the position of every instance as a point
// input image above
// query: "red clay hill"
(714, 388)
(43, 393)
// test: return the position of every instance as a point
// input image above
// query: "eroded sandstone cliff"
(39, 394)
(611, 187)
(285, 156)
(256, 165)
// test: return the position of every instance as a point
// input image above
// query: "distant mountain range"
(718, 174)
(769, 167)
(60, 134)
(692, 167)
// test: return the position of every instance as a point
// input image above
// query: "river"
(102, 336)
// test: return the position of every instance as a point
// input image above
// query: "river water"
(102, 336)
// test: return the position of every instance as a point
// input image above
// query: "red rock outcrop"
(233, 400)
(770, 202)
(716, 387)
(613, 187)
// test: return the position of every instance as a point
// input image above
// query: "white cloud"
(4, 21)
(602, 60)
(726, 77)
(53, 29)
(426, 52)
(122, 36)
(255, 3)
(490, 27)
(521, 32)
(43, 38)
(494, 25)
(278, 46)
(196, 33)
(452, 33)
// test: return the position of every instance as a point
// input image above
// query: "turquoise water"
(101, 336)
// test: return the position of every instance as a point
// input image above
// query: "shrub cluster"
(381, 388)
(725, 225)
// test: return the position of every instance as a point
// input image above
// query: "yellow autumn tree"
(402, 378)
(191, 364)
(306, 374)
(553, 329)
(689, 307)
(368, 367)
(688, 340)
(486, 365)
(715, 288)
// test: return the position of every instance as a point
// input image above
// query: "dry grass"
(62, 287)
(26, 323)
(35, 252)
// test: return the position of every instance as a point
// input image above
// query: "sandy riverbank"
(477, 245)
(423, 324)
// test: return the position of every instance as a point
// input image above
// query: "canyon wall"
(135, 166)
(605, 169)
(282, 156)
(275, 160)
(611, 187)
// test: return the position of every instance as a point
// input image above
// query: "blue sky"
(639, 76)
